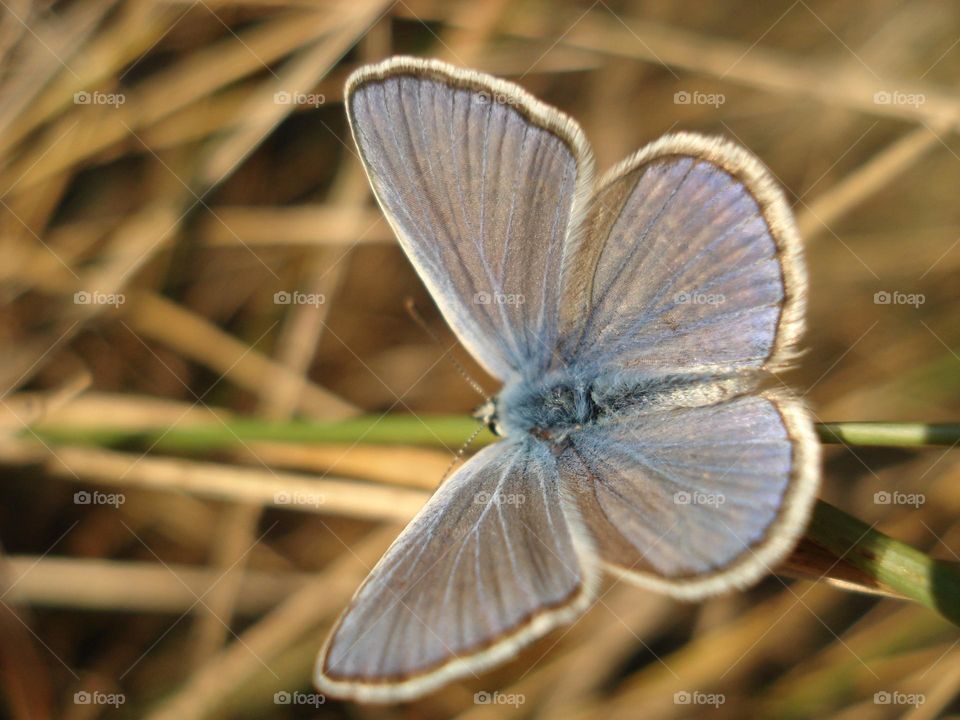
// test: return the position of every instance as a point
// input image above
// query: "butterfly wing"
(696, 500)
(691, 262)
(482, 184)
(691, 267)
(489, 564)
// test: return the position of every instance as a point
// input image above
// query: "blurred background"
(190, 249)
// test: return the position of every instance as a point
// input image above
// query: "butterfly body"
(548, 408)
(557, 405)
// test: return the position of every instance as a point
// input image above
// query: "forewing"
(696, 500)
(691, 262)
(489, 564)
(481, 183)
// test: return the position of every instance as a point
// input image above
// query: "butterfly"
(634, 322)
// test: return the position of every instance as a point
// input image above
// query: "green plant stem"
(904, 569)
(434, 430)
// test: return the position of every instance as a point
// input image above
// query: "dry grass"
(184, 190)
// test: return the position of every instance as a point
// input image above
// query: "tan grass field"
(167, 167)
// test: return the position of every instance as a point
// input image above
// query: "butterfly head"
(487, 414)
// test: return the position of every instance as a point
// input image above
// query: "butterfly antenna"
(415, 314)
(460, 453)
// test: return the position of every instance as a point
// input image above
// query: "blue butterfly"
(633, 321)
